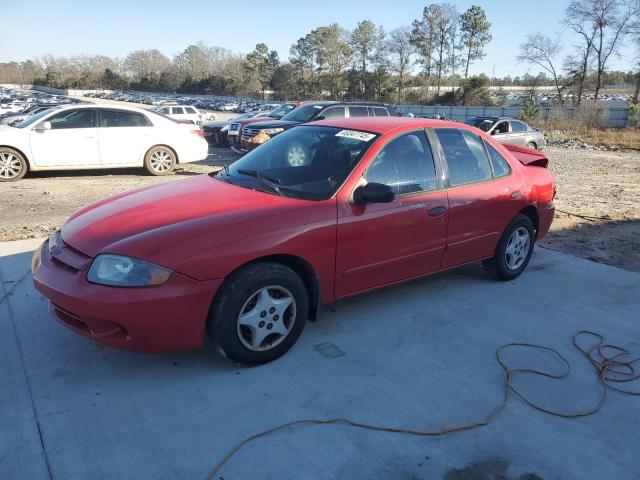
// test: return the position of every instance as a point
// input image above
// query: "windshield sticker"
(362, 136)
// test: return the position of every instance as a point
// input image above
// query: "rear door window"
(177, 111)
(189, 109)
(465, 155)
(121, 118)
(358, 112)
(518, 127)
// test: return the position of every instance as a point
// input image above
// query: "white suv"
(186, 112)
(74, 137)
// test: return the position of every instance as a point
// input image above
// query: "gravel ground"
(598, 201)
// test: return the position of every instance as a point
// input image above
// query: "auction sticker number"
(356, 135)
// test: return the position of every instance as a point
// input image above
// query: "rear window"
(189, 109)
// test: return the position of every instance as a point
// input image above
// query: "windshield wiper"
(270, 182)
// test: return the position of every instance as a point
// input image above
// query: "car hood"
(145, 222)
(275, 124)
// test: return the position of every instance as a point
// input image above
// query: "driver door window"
(333, 112)
(501, 128)
(73, 119)
(405, 164)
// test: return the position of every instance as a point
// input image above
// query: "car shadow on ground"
(29, 310)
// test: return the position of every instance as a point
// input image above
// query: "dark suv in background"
(260, 132)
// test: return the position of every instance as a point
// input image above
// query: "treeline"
(369, 63)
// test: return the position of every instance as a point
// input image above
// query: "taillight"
(198, 132)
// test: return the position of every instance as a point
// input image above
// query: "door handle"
(437, 211)
(516, 194)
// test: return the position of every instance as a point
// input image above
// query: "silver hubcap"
(161, 161)
(10, 166)
(266, 318)
(297, 157)
(531, 146)
(517, 248)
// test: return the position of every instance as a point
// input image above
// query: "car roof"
(383, 125)
(104, 106)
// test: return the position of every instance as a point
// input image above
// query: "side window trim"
(493, 173)
(439, 174)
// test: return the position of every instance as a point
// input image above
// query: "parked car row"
(162, 99)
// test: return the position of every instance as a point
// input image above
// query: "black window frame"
(375, 107)
(101, 110)
(437, 165)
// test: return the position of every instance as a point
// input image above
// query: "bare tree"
(401, 50)
(146, 64)
(541, 50)
(578, 19)
(613, 20)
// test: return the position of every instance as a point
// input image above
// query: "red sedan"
(319, 213)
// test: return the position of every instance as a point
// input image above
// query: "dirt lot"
(600, 191)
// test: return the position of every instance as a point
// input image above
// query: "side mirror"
(41, 127)
(373, 193)
(492, 132)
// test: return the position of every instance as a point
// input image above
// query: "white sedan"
(94, 136)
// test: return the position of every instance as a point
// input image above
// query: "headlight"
(119, 271)
(272, 131)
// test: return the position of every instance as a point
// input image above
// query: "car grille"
(250, 132)
(65, 255)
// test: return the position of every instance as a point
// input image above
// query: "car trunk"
(528, 156)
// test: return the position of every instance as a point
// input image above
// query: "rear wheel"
(160, 160)
(13, 166)
(259, 313)
(514, 250)
(532, 146)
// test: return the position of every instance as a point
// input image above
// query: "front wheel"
(514, 250)
(532, 146)
(160, 160)
(13, 166)
(259, 313)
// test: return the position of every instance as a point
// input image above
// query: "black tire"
(497, 266)
(223, 322)
(13, 165)
(155, 163)
(532, 146)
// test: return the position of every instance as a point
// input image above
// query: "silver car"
(509, 130)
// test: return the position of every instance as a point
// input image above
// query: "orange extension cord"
(612, 371)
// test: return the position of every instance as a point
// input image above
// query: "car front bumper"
(166, 318)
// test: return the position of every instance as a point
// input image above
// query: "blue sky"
(115, 27)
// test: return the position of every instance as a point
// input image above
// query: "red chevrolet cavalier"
(319, 213)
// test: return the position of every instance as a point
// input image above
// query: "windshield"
(281, 111)
(303, 114)
(306, 162)
(34, 118)
(483, 124)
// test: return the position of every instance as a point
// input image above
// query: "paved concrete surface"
(419, 355)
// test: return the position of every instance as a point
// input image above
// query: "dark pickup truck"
(260, 132)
